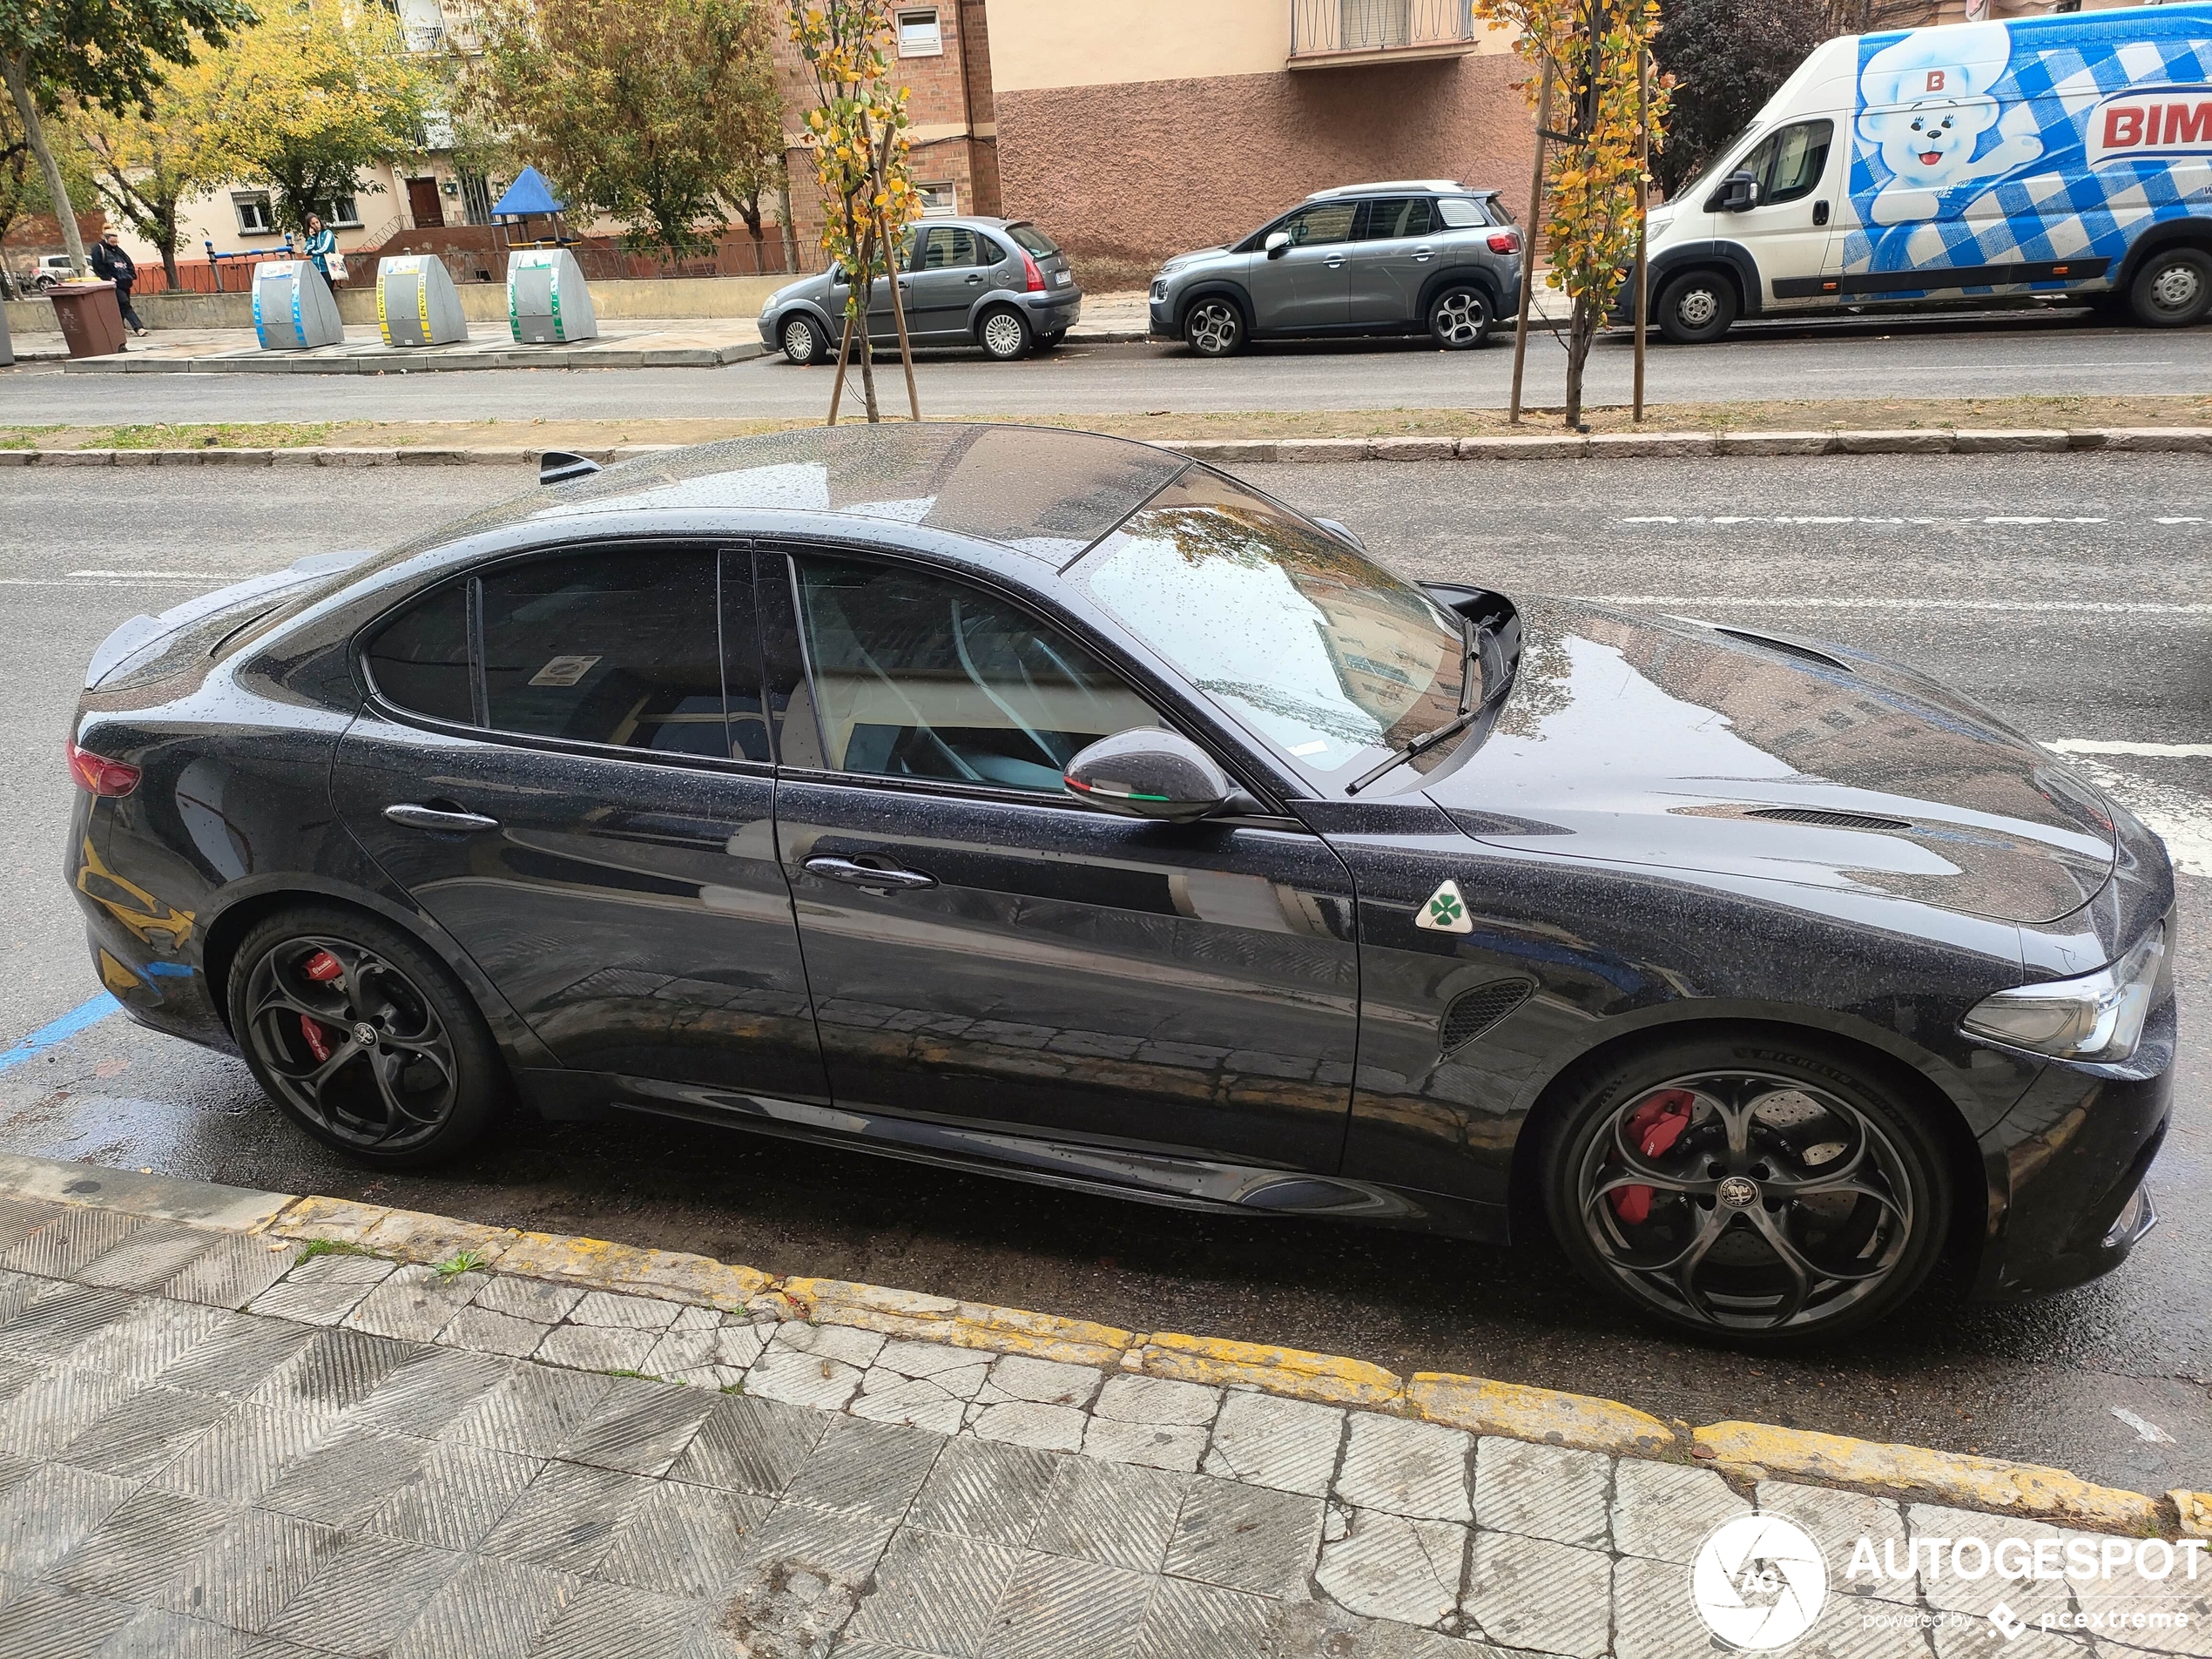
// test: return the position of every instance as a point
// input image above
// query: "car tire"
(1796, 1195)
(1004, 335)
(425, 1085)
(1214, 327)
(804, 342)
(1695, 309)
(2173, 288)
(1458, 318)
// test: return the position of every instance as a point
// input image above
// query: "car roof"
(1444, 186)
(1039, 490)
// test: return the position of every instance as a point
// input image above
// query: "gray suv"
(1000, 284)
(1398, 258)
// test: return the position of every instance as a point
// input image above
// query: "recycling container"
(415, 302)
(292, 306)
(91, 317)
(547, 301)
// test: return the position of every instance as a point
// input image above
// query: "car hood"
(1678, 744)
(1179, 261)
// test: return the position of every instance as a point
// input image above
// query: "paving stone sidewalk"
(219, 1443)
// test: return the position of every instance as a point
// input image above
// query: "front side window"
(1300, 639)
(1314, 227)
(1789, 163)
(948, 248)
(918, 676)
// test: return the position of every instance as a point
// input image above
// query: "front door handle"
(1335, 261)
(1820, 212)
(434, 818)
(856, 874)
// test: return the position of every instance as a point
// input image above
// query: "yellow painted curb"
(2196, 1511)
(674, 1276)
(1294, 1372)
(1977, 1482)
(340, 1220)
(963, 1324)
(1541, 1414)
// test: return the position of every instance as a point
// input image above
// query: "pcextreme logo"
(1759, 1582)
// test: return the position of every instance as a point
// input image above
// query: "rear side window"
(420, 661)
(948, 248)
(1033, 239)
(1461, 213)
(1391, 217)
(619, 648)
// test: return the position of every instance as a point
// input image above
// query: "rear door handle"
(977, 279)
(1423, 255)
(433, 818)
(856, 874)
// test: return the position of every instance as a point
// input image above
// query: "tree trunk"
(18, 80)
(1581, 335)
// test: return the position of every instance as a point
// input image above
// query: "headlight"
(2098, 1016)
(1159, 287)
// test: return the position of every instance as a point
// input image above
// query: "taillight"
(1036, 276)
(1504, 241)
(99, 774)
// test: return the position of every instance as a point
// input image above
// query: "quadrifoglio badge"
(1761, 1581)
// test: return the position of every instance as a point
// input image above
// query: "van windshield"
(1698, 172)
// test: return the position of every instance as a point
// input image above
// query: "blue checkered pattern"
(2055, 206)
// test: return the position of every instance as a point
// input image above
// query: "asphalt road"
(1995, 355)
(2071, 595)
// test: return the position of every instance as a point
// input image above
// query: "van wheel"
(1459, 318)
(804, 342)
(2174, 289)
(363, 1038)
(1695, 309)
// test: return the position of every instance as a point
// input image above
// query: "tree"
(1590, 55)
(314, 94)
(655, 112)
(859, 131)
(1727, 57)
(144, 163)
(104, 52)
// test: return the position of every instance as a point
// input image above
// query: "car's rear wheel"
(1760, 1190)
(363, 1038)
(2174, 289)
(1695, 307)
(805, 341)
(1214, 327)
(1004, 335)
(1458, 318)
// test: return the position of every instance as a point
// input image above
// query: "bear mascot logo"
(1926, 104)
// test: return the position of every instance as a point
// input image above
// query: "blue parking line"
(61, 1030)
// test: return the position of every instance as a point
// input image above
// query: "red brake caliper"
(322, 968)
(1655, 1126)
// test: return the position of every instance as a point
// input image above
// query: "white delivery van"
(2053, 156)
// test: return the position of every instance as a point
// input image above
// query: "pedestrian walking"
(111, 264)
(322, 247)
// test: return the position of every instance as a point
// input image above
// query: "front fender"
(1731, 257)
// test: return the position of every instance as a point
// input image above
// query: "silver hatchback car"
(1401, 257)
(1000, 284)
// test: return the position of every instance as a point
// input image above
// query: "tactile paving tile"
(335, 1371)
(982, 1489)
(156, 1633)
(51, 1324)
(614, 1621)
(20, 1217)
(1246, 1538)
(237, 1355)
(149, 1257)
(1114, 1512)
(637, 1426)
(237, 1268)
(840, 1542)
(567, 1517)
(1188, 1621)
(425, 1395)
(50, 1411)
(533, 1411)
(362, 1599)
(48, 1623)
(491, 1609)
(934, 1591)
(146, 1341)
(748, 1445)
(874, 1467)
(143, 1432)
(683, 1541)
(241, 1456)
(456, 1496)
(70, 1239)
(1058, 1608)
(328, 1483)
(140, 1543)
(50, 1512)
(244, 1575)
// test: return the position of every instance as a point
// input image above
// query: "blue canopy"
(529, 193)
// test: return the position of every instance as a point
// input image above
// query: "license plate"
(1061, 279)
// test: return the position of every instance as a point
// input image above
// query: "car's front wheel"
(2174, 289)
(805, 341)
(1695, 309)
(1760, 1189)
(364, 1039)
(1458, 318)
(1214, 327)
(1004, 335)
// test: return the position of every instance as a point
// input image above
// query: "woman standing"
(322, 243)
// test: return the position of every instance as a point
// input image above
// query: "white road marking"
(2185, 518)
(2182, 820)
(1865, 518)
(2096, 746)
(158, 575)
(2029, 518)
(96, 581)
(1694, 602)
(2143, 1426)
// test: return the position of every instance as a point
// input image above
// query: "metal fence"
(1319, 27)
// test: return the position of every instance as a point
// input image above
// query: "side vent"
(1787, 648)
(1472, 1013)
(1827, 819)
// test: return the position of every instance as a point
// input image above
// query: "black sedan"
(1057, 807)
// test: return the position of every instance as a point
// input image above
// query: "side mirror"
(1148, 772)
(558, 466)
(1278, 244)
(1739, 192)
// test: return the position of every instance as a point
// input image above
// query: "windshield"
(1705, 166)
(1312, 646)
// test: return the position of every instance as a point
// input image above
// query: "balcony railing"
(1325, 31)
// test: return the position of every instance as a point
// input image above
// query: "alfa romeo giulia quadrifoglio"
(1062, 807)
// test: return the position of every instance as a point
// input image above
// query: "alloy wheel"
(1460, 318)
(1213, 327)
(350, 1042)
(799, 344)
(1004, 335)
(1745, 1202)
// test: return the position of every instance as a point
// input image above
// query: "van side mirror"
(1739, 193)
(1149, 772)
(1278, 244)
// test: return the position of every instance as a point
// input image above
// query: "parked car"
(52, 268)
(1398, 258)
(1957, 166)
(1060, 808)
(1000, 284)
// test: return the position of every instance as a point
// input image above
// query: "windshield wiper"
(1473, 637)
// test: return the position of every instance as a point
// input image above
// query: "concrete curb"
(1935, 441)
(398, 361)
(1744, 1451)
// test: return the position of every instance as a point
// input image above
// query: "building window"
(937, 201)
(254, 217)
(920, 35)
(339, 213)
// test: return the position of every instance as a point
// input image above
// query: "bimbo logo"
(2172, 120)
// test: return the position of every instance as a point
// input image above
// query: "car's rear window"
(1460, 213)
(1033, 239)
